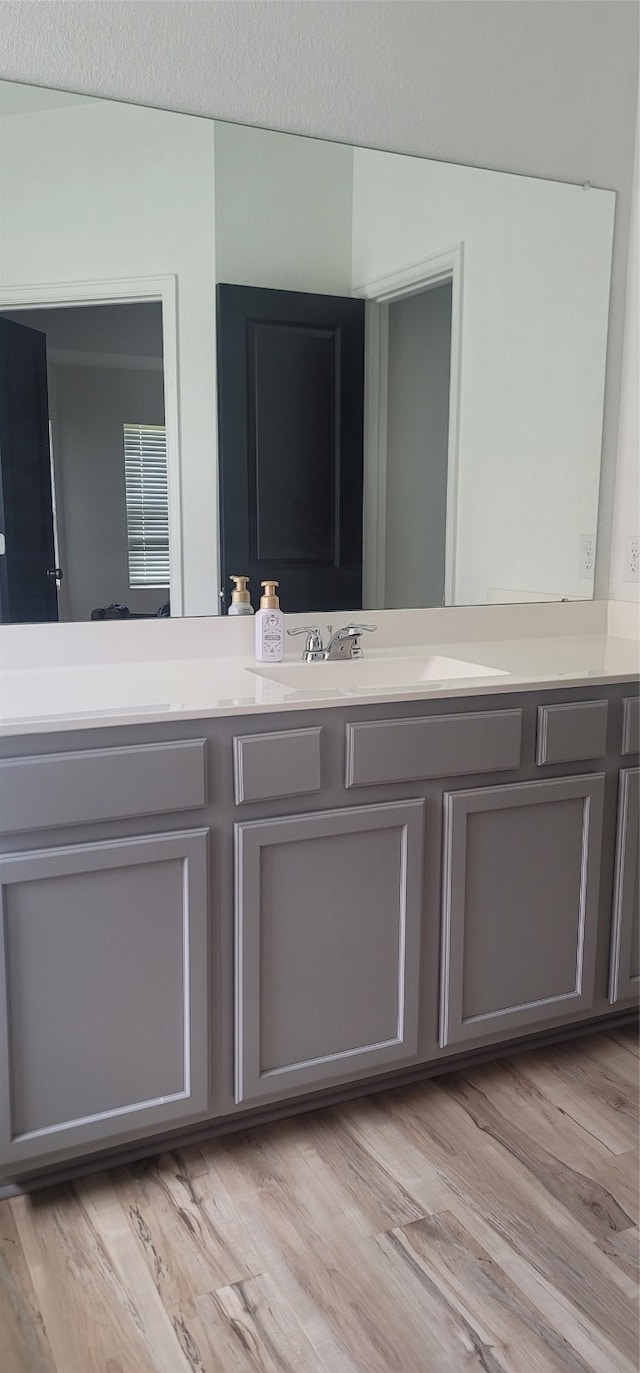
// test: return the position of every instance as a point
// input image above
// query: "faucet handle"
(305, 629)
(352, 629)
(314, 638)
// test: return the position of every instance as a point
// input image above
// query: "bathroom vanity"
(231, 891)
(218, 912)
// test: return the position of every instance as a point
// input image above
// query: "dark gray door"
(103, 1033)
(624, 980)
(327, 943)
(290, 422)
(520, 905)
(28, 590)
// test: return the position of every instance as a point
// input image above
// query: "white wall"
(535, 306)
(283, 211)
(545, 89)
(626, 519)
(128, 193)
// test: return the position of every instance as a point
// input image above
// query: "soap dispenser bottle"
(240, 603)
(269, 626)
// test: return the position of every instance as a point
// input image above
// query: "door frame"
(128, 291)
(379, 294)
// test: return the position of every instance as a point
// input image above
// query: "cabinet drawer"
(267, 766)
(101, 784)
(447, 746)
(631, 724)
(572, 731)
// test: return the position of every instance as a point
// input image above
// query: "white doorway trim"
(379, 294)
(127, 291)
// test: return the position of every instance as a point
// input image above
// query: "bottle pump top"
(240, 595)
(269, 600)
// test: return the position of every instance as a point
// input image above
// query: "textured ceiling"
(545, 87)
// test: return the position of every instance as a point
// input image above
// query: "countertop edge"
(77, 721)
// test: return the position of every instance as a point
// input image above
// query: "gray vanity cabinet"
(520, 906)
(328, 911)
(104, 1025)
(204, 926)
(624, 979)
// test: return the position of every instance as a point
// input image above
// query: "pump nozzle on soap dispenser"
(269, 626)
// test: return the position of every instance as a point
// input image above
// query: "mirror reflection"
(224, 351)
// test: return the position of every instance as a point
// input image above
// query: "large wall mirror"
(377, 378)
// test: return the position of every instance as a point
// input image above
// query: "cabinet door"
(103, 1030)
(624, 980)
(327, 943)
(520, 905)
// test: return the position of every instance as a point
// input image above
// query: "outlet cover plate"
(632, 558)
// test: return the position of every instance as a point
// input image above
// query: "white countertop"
(70, 695)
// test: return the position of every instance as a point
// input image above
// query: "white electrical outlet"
(587, 555)
(632, 558)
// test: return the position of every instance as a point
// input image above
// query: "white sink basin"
(374, 674)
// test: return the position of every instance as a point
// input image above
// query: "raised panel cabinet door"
(290, 443)
(103, 1031)
(624, 977)
(520, 905)
(327, 941)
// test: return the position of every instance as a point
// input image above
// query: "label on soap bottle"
(269, 636)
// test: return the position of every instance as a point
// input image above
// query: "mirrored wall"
(375, 377)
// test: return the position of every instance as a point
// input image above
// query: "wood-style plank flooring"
(485, 1220)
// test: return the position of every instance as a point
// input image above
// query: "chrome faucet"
(345, 643)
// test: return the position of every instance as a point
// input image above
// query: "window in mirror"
(147, 501)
